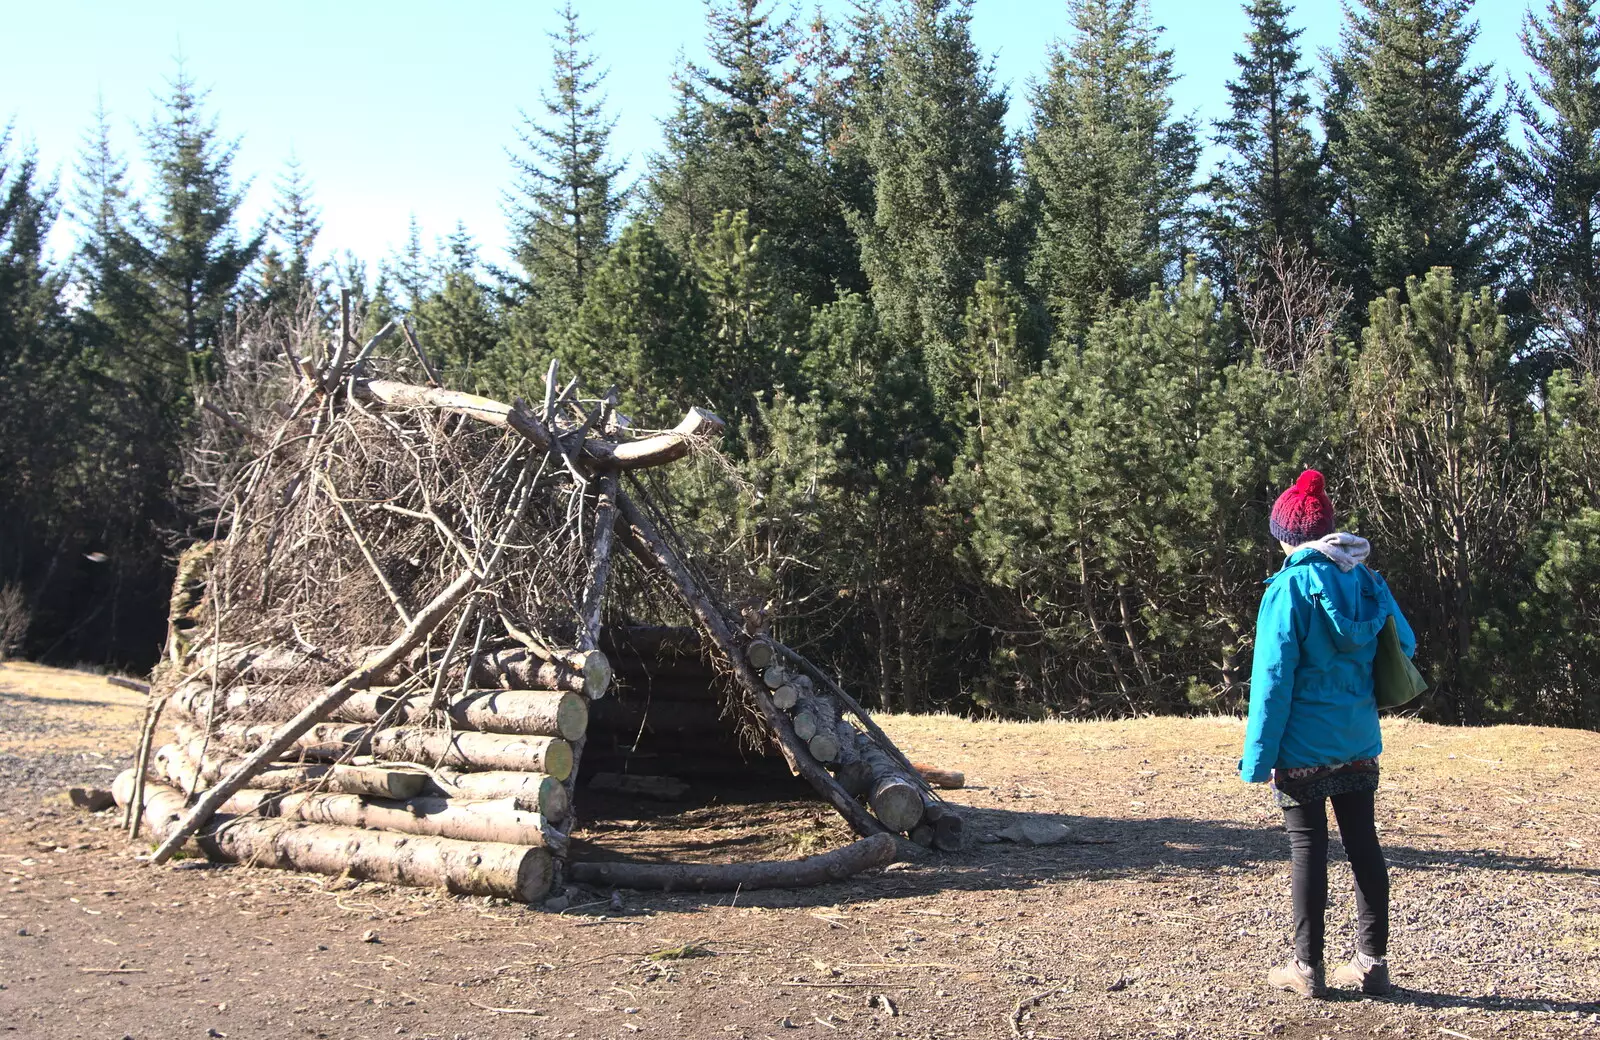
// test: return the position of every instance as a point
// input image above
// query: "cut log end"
(897, 803)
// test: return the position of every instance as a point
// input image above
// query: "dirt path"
(1159, 919)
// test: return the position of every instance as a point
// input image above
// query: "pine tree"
(566, 196)
(642, 327)
(290, 276)
(943, 185)
(458, 322)
(192, 254)
(1111, 170)
(753, 329)
(1557, 176)
(1269, 188)
(1418, 146)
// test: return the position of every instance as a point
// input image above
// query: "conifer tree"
(1557, 176)
(1417, 146)
(1111, 169)
(737, 141)
(566, 195)
(192, 255)
(1269, 188)
(459, 321)
(290, 276)
(943, 201)
(642, 327)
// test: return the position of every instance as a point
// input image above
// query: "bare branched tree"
(1290, 303)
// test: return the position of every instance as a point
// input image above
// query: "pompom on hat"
(1304, 513)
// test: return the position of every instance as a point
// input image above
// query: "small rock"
(556, 904)
(370, 935)
(1036, 832)
(616, 900)
(22, 931)
(214, 1031)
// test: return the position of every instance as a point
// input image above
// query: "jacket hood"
(1348, 633)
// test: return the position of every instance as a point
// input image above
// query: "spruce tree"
(943, 200)
(290, 277)
(1557, 175)
(737, 140)
(1269, 188)
(1417, 146)
(1111, 169)
(192, 255)
(566, 195)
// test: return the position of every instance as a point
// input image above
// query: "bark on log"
(646, 542)
(531, 792)
(521, 669)
(462, 867)
(325, 740)
(470, 751)
(175, 764)
(649, 451)
(877, 850)
(530, 713)
(947, 779)
(852, 773)
(816, 721)
(894, 798)
(463, 819)
(426, 620)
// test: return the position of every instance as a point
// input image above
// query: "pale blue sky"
(406, 106)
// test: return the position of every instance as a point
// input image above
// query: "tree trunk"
(877, 850)
(530, 792)
(457, 818)
(462, 867)
(438, 747)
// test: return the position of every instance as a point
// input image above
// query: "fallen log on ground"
(878, 850)
(657, 788)
(946, 779)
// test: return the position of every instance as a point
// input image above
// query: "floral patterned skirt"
(1294, 787)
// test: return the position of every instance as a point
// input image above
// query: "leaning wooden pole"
(425, 622)
(642, 538)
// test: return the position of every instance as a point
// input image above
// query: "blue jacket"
(1311, 698)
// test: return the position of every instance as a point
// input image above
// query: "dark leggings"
(1308, 843)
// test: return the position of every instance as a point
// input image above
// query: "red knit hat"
(1304, 513)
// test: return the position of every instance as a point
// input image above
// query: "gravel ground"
(1158, 918)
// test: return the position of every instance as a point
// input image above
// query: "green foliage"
(1417, 145)
(1110, 167)
(566, 196)
(1446, 475)
(640, 327)
(1270, 188)
(290, 276)
(943, 194)
(1116, 510)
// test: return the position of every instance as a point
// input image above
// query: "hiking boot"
(1304, 979)
(1369, 975)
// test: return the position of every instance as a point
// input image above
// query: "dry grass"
(1158, 919)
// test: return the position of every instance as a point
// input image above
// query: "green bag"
(1395, 680)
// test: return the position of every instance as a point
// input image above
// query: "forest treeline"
(1007, 410)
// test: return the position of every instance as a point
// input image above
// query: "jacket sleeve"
(1408, 638)
(1280, 626)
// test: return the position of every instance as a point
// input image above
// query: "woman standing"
(1313, 727)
